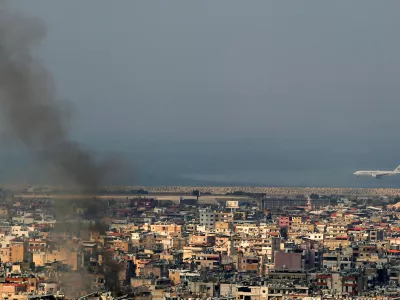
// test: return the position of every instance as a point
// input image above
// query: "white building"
(208, 218)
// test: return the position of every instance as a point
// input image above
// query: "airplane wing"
(379, 176)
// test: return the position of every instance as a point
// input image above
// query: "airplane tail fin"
(397, 169)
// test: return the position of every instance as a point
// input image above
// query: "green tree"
(196, 193)
(396, 200)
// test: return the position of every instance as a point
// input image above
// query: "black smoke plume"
(32, 111)
(30, 105)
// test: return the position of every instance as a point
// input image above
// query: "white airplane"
(378, 174)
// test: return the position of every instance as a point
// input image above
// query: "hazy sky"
(247, 75)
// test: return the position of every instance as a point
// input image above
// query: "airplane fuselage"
(376, 174)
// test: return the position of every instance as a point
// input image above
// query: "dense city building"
(218, 247)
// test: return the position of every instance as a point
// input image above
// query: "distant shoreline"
(124, 191)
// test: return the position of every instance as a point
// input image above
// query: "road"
(171, 197)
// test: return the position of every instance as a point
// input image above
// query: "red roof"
(358, 228)
(393, 251)
(114, 234)
(14, 284)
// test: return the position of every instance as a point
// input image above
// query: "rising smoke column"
(29, 104)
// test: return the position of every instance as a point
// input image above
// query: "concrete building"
(208, 218)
